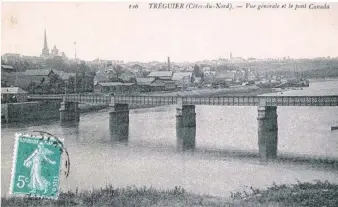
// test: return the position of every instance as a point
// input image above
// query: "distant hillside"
(319, 73)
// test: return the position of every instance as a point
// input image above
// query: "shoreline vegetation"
(318, 193)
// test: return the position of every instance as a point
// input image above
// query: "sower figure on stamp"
(37, 181)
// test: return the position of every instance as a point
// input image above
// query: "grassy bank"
(300, 194)
(110, 196)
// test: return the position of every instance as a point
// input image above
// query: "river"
(150, 157)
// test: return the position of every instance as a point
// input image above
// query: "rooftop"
(144, 81)
(158, 83)
(12, 90)
(7, 67)
(64, 75)
(115, 84)
(161, 74)
(181, 75)
(40, 72)
(101, 77)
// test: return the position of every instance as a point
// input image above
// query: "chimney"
(168, 63)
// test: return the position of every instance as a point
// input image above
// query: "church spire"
(45, 50)
(45, 44)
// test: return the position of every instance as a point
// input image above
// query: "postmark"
(36, 166)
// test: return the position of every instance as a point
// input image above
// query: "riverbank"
(300, 194)
(323, 79)
(232, 91)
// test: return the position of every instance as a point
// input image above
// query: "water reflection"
(69, 124)
(185, 137)
(71, 128)
(119, 125)
(32, 123)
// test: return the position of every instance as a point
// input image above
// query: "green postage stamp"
(36, 166)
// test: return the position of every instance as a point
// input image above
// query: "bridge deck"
(197, 100)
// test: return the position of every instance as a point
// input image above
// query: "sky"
(110, 30)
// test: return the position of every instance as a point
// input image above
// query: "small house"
(64, 75)
(183, 79)
(41, 74)
(7, 69)
(127, 76)
(146, 84)
(169, 85)
(162, 75)
(13, 95)
(115, 88)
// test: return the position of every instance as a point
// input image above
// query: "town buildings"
(115, 88)
(183, 79)
(164, 77)
(110, 76)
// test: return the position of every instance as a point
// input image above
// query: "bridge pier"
(69, 111)
(267, 131)
(185, 127)
(119, 122)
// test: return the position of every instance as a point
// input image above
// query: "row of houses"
(155, 81)
(24, 80)
(128, 82)
(229, 75)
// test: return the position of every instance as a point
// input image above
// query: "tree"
(197, 71)
(31, 87)
(4, 83)
(202, 77)
(192, 79)
(118, 70)
(55, 83)
(145, 73)
(45, 87)
(70, 85)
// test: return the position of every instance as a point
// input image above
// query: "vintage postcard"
(169, 103)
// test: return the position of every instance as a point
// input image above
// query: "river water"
(150, 157)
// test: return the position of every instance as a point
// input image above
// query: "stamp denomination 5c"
(36, 166)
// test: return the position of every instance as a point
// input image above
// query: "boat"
(294, 83)
(334, 128)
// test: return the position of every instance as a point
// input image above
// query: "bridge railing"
(198, 100)
(45, 97)
(83, 98)
(301, 100)
(102, 99)
(145, 100)
(225, 101)
(263, 100)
